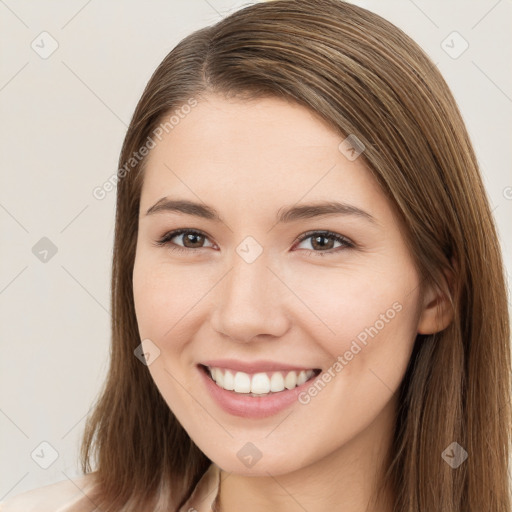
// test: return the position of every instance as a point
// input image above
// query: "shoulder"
(57, 497)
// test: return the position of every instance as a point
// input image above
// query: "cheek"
(163, 305)
(378, 347)
(163, 297)
(355, 303)
(368, 358)
(372, 323)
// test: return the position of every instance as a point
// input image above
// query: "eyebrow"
(284, 215)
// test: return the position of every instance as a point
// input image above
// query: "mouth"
(258, 384)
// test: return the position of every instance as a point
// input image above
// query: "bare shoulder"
(57, 497)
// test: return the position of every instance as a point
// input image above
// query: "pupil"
(191, 236)
(317, 239)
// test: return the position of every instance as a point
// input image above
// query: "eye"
(318, 242)
(193, 240)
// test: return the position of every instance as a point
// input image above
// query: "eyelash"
(347, 244)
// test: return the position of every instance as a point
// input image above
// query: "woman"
(309, 306)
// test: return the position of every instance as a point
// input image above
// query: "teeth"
(276, 382)
(290, 380)
(259, 383)
(301, 378)
(242, 382)
(229, 380)
(220, 378)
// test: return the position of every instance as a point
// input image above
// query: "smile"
(254, 389)
(261, 383)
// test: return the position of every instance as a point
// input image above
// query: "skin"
(249, 159)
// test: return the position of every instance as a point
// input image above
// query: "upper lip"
(254, 366)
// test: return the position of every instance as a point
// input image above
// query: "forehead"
(258, 151)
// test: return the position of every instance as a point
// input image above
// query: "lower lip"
(243, 406)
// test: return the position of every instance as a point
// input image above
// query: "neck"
(345, 480)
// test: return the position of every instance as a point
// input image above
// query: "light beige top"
(59, 497)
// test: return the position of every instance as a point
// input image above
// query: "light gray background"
(63, 120)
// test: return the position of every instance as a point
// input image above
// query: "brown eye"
(323, 242)
(190, 238)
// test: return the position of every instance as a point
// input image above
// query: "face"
(304, 314)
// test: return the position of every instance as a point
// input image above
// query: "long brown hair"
(365, 77)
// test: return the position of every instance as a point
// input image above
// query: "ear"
(437, 311)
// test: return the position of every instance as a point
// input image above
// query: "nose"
(250, 302)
